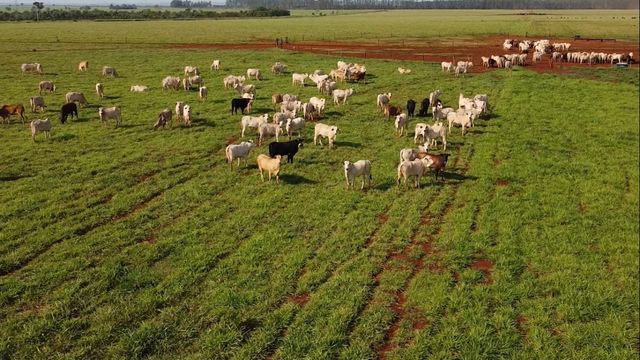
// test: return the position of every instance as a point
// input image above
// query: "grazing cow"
(242, 104)
(298, 79)
(37, 102)
(100, 90)
(75, 96)
(254, 73)
(411, 107)
(191, 71)
(267, 129)
(138, 88)
(272, 165)
(46, 86)
(68, 109)
(238, 151)
(293, 125)
(110, 71)
(35, 67)
(392, 110)
(253, 122)
(322, 130)
(278, 68)
(358, 168)
(170, 82)
(186, 115)
(416, 167)
(163, 119)
(215, 65)
(438, 163)
(38, 126)
(340, 94)
(203, 92)
(13, 109)
(383, 100)
(289, 148)
(424, 107)
(83, 66)
(110, 113)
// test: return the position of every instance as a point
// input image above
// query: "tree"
(37, 6)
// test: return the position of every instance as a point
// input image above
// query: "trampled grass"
(130, 243)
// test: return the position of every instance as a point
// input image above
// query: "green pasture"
(132, 243)
(416, 25)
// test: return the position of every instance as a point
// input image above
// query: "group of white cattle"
(461, 67)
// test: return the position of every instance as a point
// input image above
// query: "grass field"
(130, 243)
(368, 26)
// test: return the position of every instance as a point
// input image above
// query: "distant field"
(400, 24)
(132, 243)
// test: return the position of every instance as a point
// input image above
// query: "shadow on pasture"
(456, 177)
(260, 111)
(296, 179)
(384, 186)
(111, 97)
(63, 137)
(203, 122)
(347, 144)
(332, 113)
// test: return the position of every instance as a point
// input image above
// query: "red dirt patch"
(484, 266)
(502, 183)
(427, 247)
(521, 321)
(424, 220)
(382, 218)
(299, 299)
(582, 207)
(398, 309)
(151, 239)
(144, 177)
(434, 50)
(456, 277)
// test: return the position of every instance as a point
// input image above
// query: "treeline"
(190, 4)
(146, 14)
(436, 4)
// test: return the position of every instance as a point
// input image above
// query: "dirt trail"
(436, 51)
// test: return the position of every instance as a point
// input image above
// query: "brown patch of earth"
(485, 266)
(382, 218)
(502, 183)
(299, 299)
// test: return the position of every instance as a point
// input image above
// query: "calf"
(438, 163)
(68, 109)
(289, 148)
(242, 104)
(392, 110)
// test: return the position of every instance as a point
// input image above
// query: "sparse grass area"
(133, 243)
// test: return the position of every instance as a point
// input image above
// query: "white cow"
(401, 124)
(318, 104)
(179, 109)
(268, 129)
(191, 71)
(323, 130)
(459, 118)
(355, 169)
(416, 168)
(138, 88)
(186, 115)
(170, 82)
(446, 66)
(38, 126)
(298, 79)
(100, 90)
(203, 92)
(110, 113)
(254, 122)
(46, 86)
(75, 96)
(37, 102)
(382, 100)
(340, 94)
(238, 151)
(254, 73)
(110, 71)
(215, 65)
(293, 125)
(32, 68)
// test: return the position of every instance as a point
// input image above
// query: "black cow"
(289, 148)
(68, 109)
(411, 107)
(424, 107)
(240, 103)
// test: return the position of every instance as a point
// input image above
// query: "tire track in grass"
(10, 268)
(299, 300)
(382, 251)
(402, 261)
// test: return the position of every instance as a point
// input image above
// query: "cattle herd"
(413, 162)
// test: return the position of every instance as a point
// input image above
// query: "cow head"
(300, 143)
(347, 165)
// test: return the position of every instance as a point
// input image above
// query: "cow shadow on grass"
(202, 122)
(346, 144)
(456, 177)
(111, 97)
(296, 179)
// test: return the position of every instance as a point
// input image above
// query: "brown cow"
(438, 163)
(392, 110)
(13, 109)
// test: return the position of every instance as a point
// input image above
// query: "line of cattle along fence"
(367, 54)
